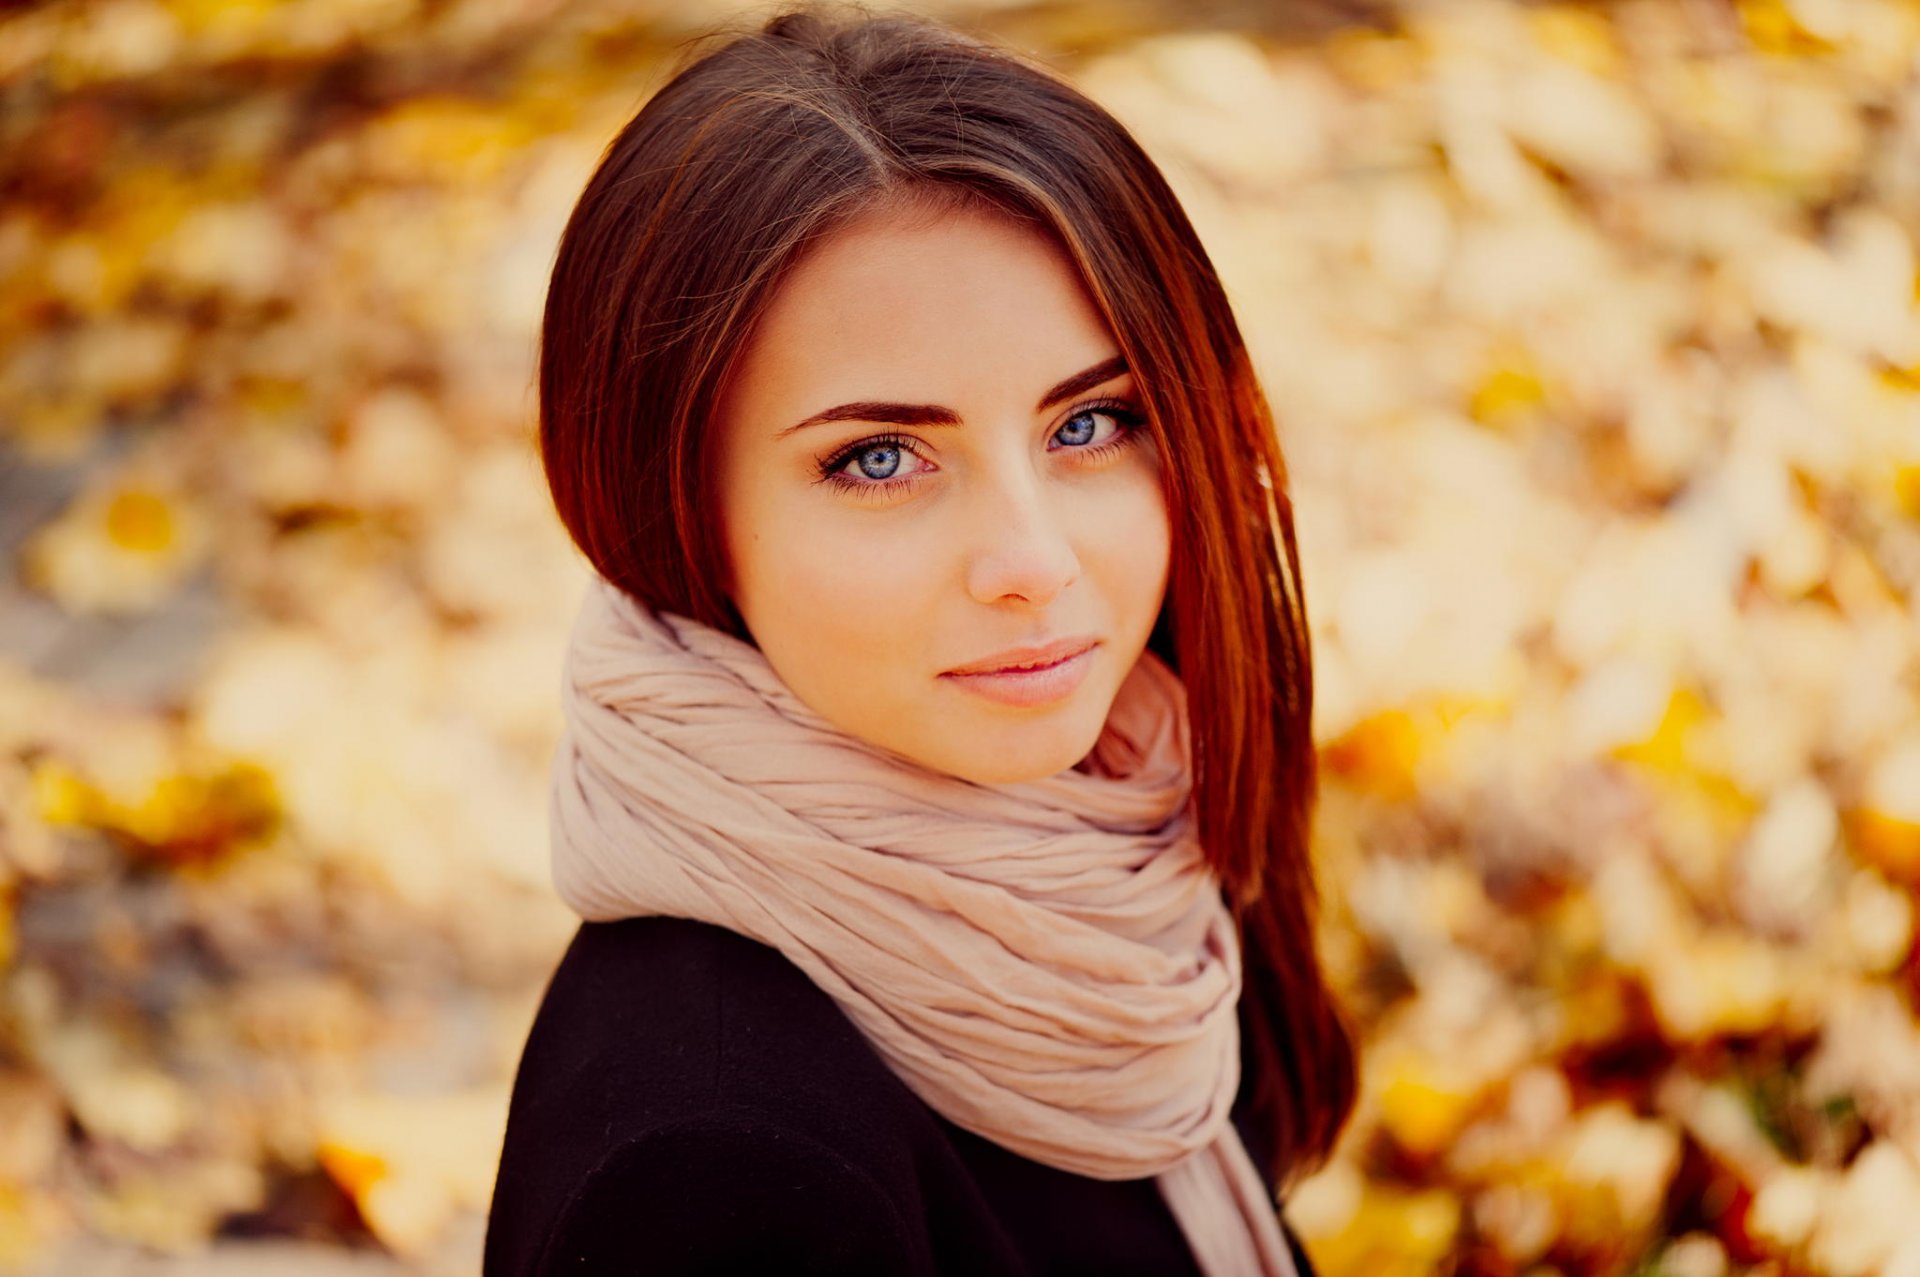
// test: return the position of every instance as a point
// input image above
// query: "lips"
(1015, 660)
(1038, 687)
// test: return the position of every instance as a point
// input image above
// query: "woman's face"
(928, 457)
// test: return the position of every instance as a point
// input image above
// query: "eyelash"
(1131, 421)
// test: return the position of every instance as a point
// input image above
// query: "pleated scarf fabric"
(1048, 964)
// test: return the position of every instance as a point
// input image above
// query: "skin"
(1006, 529)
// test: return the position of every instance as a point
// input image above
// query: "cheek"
(824, 602)
(1137, 542)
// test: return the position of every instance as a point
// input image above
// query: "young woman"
(936, 784)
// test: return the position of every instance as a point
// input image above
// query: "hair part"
(769, 143)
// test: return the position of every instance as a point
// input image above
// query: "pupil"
(884, 448)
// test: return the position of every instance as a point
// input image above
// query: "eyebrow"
(909, 414)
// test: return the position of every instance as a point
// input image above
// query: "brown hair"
(769, 142)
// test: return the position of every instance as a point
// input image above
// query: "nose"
(1023, 550)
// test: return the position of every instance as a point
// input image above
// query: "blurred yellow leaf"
(1906, 489)
(1885, 827)
(1422, 1102)
(140, 520)
(1511, 388)
(30, 1221)
(182, 819)
(449, 139)
(61, 796)
(1373, 60)
(1391, 1232)
(412, 1161)
(1576, 35)
(1380, 751)
(125, 544)
(355, 1171)
(1672, 747)
(1773, 28)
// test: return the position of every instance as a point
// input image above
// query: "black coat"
(690, 1101)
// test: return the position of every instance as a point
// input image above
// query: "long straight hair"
(769, 142)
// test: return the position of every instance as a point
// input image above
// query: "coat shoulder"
(727, 1192)
(710, 1019)
(661, 1037)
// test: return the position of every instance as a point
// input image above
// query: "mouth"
(1030, 685)
(1027, 659)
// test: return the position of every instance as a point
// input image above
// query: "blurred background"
(1593, 337)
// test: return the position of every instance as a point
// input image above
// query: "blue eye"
(890, 448)
(882, 452)
(1125, 415)
(1080, 416)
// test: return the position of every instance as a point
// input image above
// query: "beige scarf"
(1048, 964)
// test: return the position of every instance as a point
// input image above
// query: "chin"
(1010, 753)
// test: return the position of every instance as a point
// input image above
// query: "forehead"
(924, 307)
